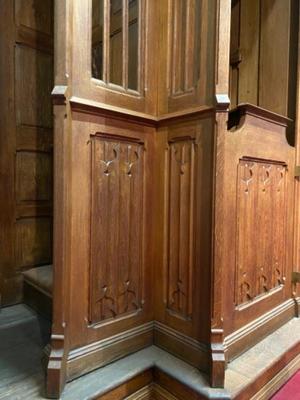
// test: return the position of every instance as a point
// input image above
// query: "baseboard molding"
(153, 373)
(182, 346)
(146, 393)
(160, 393)
(279, 380)
(152, 392)
(98, 354)
(241, 340)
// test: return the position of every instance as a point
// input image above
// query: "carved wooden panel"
(261, 228)
(34, 241)
(181, 193)
(184, 37)
(116, 227)
(34, 176)
(33, 96)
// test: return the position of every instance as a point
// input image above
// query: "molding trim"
(278, 380)
(98, 354)
(146, 393)
(150, 392)
(59, 95)
(56, 369)
(222, 103)
(243, 109)
(105, 110)
(218, 364)
(162, 394)
(238, 341)
(182, 346)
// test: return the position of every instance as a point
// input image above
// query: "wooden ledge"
(243, 109)
(106, 110)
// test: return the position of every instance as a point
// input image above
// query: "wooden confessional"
(176, 181)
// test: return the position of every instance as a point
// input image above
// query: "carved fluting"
(180, 222)
(185, 33)
(261, 219)
(116, 227)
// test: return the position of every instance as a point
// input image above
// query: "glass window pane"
(97, 39)
(133, 44)
(116, 42)
(197, 41)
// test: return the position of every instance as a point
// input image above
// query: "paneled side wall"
(263, 54)
(111, 266)
(182, 237)
(31, 66)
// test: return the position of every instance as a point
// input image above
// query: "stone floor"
(22, 338)
(23, 335)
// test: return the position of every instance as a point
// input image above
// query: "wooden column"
(222, 104)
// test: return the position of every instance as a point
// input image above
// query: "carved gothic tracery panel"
(116, 227)
(180, 249)
(261, 226)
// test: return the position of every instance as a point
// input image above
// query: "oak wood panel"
(261, 192)
(189, 188)
(234, 53)
(134, 144)
(34, 176)
(261, 72)
(272, 68)
(34, 92)
(182, 153)
(33, 241)
(33, 138)
(34, 14)
(26, 140)
(117, 219)
(249, 27)
(186, 67)
(260, 199)
(183, 201)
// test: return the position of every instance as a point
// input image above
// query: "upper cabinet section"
(118, 44)
(113, 45)
(148, 57)
(188, 51)
(264, 54)
(187, 55)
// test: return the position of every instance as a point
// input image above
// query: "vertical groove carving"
(185, 45)
(260, 228)
(181, 192)
(116, 227)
